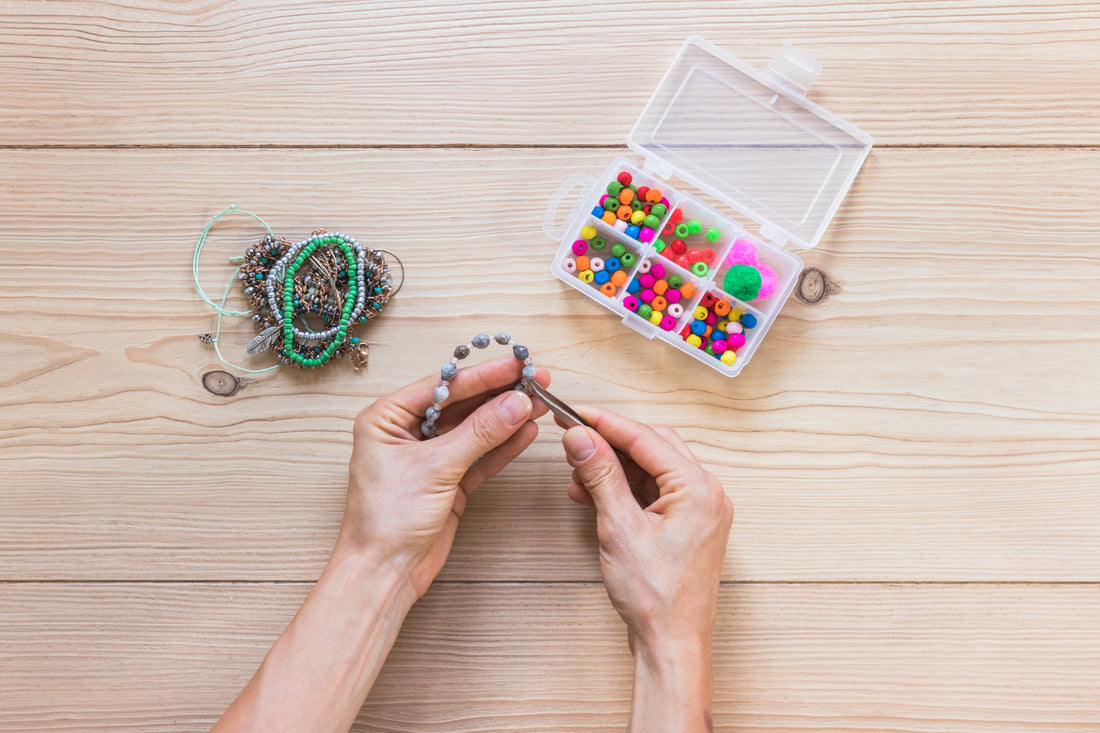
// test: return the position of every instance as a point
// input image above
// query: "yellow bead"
(637, 217)
(694, 340)
(735, 315)
(655, 317)
(700, 313)
(587, 276)
(728, 357)
(588, 231)
(722, 323)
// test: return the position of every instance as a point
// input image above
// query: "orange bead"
(609, 217)
(721, 308)
(582, 263)
(618, 278)
(660, 287)
(624, 212)
(686, 290)
(626, 196)
(707, 332)
(653, 196)
(608, 289)
(658, 303)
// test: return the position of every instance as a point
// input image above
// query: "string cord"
(220, 308)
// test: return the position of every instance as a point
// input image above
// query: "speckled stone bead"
(432, 413)
(427, 428)
(520, 351)
(441, 393)
(502, 338)
(448, 372)
(529, 371)
(480, 341)
(461, 352)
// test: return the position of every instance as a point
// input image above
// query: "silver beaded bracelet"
(450, 370)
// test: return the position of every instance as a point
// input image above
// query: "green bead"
(617, 250)
(675, 281)
(700, 269)
(628, 259)
(597, 243)
(652, 221)
(713, 235)
(645, 311)
(682, 230)
(637, 204)
(695, 226)
(611, 203)
(659, 210)
(659, 245)
(614, 188)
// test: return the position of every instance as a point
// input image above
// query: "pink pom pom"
(769, 281)
(743, 252)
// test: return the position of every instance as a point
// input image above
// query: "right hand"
(661, 563)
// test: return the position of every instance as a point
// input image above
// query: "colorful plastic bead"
(708, 300)
(618, 278)
(673, 295)
(626, 196)
(645, 267)
(637, 217)
(709, 256)
(580, 247)
(582, 262)
(683, 261)
(633, 286)
(698, 327)
(628, 259)
(646, 235)
(652, 221)
(736, 340)
(597, 211)
(656, 317)
(722, 308)
(699, 313)
(632, 231)
(609, 217)
(748, 320)
(694, 340)
(700, 268)
(659, 210)
(611, 264)
(569, 266)
(660, 287)
(658, 303)
(646, 295)
(668, 322)
(610, 203)
(645, 311)
(617, 249)
(653, 196)
(642, 191)
(631, 303)
(597, 243)
(623, 212)
(624, 178)
(658, 270)
(682, 230)
(713, 235)
(695, 226)
(646, 280)
(586, 276)
(613, 188)
(694, 255)
(595, 264)
(675, 310)
(728, 357)
(601, 277)
(608, 289)
(659, 245)
(588, 231)
(620, 225)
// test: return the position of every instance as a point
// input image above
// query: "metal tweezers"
(562, 411)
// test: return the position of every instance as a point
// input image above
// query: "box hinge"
(794, 68)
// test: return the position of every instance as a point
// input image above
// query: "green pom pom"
(742, 282)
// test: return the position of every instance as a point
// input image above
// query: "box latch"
(795, 68)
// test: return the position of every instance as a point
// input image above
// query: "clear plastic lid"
(752, 139)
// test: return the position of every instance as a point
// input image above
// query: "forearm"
(672, 689)
(320, 670)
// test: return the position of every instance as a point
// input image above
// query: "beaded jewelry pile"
(329, 278)
(450, 370)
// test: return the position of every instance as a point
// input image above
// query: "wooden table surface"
(913, 452)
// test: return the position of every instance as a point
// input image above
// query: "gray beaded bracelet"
(450, 370)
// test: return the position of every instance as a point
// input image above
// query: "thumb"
(600, 471)
(488, 426)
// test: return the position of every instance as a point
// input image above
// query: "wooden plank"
(565, 72)
(803, 657)
(933, 417)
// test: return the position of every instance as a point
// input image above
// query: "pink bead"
(743, 252)
(602, 199)
(712, 318)
(646, 235)
(646, 295)
(668, 323)
(580, 247)
(703, 343)
(672, 295)
(664, 200)
(736, 340)
(718, 347)
(646, 279)
(631, 303)
(658, 270)
(645, 267)
(569, 266)
(769, 281)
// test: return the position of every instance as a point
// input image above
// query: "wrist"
(367, 566)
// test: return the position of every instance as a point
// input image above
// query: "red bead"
(670, 228)
(624, 178)
(683, 262)
(694, 255)
(709, 256)
(677, 216)
(642, 191)
(708, 300)
(686, 331)
(678, 246)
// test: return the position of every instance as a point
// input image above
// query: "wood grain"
(475, 657)
(505, 73)
(932, 417)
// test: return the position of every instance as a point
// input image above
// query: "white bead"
(645, 267)
(675, 310)
(620, 225)
(595, 264)
(569, 265)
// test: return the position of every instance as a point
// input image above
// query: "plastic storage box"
(752, 141)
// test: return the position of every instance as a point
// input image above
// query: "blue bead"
(718, 336)
(597, 211)
(698, 327)
(633, 231)
(601, 277)
(748, 320)
(633, 286)
(259, 276)
(612, 264)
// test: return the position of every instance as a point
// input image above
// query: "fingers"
(676, 442)
(456, 412)
(486, 428)
(648, 449)
(600, 472)
(490, 376)
(580, 495)
(492, 462)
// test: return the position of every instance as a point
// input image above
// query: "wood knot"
(222, 383)
(813, 286)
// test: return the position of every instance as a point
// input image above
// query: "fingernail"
(578, 445)
(515, 408)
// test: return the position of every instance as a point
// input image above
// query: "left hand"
(406, 494)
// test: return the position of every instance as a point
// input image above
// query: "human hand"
(661, 564)
(406, 494)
